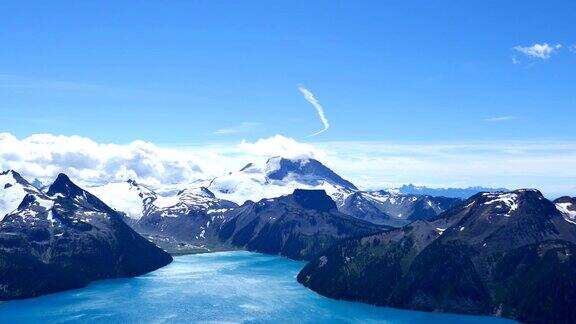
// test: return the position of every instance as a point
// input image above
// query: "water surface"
(226, 287)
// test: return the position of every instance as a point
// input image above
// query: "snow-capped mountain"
(65, 238)
(179, 223)
(187, 222)
(281, 176)
(393, 209)
(13, 188)
(278, 177)
(129, 197)
(505, 254)
(275, 178)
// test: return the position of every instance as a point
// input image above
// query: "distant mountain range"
(462, 193)
(393, 209)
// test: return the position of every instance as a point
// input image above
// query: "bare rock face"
(66, 238)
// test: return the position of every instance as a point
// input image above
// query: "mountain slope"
(505, 254)
(381, 207)
(181, 222)
(278, 177)
(66, 238)
(307, 171)
(129, 197)
(13, 188)
(298, 226)
(567, 206)
(185, 223)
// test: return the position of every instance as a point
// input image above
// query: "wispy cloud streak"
(500, 118)
(309, 96)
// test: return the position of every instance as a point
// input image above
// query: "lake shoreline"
(223, 286)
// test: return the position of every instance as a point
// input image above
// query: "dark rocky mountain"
(462, 193)
(381, 207)
(503, 254)
(65, 239)
(189, 224)
(298, 226)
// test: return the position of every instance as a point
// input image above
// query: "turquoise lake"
(227, 287)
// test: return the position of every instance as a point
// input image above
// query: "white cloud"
(243, 127)
(515, 60)
(572, 48)
(547, 165)
(309, 96)
(280, 146)
(500, 118)
(542, 51)
(45, 155)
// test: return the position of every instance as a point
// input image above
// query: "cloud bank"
(546, 165)
(309, 96)
(45, 155)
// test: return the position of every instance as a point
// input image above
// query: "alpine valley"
(472, 251)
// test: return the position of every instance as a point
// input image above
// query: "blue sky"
(383, 70)
(408, 86)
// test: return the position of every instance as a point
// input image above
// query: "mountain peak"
(201, 191)
(247, 166)
(314, 199)
(306, 170)
(16, 176)
(37, 183)
(506, 203)
(63, 185)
